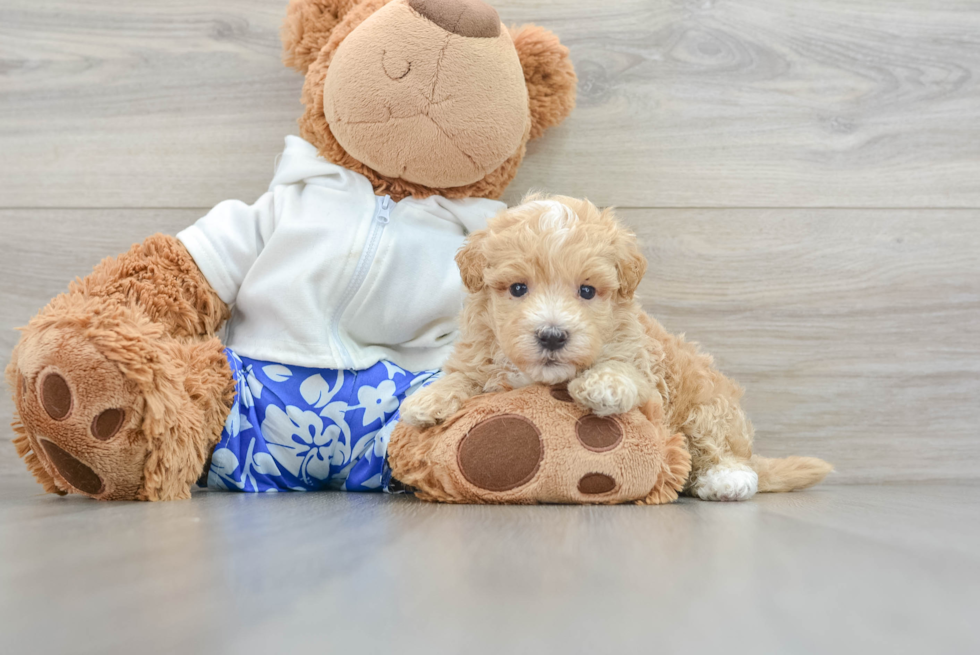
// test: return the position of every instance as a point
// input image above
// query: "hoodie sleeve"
(228, 240)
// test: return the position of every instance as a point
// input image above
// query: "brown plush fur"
(550, 90)
(308, 26)
(647, 467)
(616, 358)
(549, 76)
(137, 335)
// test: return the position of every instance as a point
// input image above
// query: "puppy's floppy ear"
(472, 261)
(549, 75)
(631, 265)
(307, 28)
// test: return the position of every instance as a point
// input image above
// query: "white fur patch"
(555, 215)
(727, 482)
(549, 310)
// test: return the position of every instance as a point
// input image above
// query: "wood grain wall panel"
(855, 332)
(682, 103)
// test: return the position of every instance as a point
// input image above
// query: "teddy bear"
(338, 285)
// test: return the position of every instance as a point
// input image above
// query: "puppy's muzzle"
(552, 339)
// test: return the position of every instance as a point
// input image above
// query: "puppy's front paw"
(605, 393)
(427, 408)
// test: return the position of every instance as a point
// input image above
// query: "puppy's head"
(558, 277)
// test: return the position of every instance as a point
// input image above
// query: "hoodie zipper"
(382, 214)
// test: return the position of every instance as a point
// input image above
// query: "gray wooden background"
(805, 176)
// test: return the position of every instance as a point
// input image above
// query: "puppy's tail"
(789, 473)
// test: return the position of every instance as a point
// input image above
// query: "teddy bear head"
(425, 97)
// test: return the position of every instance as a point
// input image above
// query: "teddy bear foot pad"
(534, 445)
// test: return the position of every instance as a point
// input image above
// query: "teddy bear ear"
(549, 75)
(307, 29)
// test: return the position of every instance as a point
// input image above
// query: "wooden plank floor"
(866, 569)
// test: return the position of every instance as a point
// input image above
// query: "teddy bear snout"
(472, 18)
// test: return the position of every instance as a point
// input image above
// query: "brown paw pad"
(598, 433)
(56, 396)
(107, 424)
(73, 471)
(501, 453)
(596, 483)
(561, 393)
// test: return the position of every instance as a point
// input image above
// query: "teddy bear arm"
(160, 277)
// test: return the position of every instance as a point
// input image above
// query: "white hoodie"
(323, 273)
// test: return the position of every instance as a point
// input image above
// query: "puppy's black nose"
(552, 338)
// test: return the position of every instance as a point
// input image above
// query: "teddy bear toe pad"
(501, 453)
(598, 433)
(593, 484)
(75, 473)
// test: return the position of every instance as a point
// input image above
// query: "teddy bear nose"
(473, 18)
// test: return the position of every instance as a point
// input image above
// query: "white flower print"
(317, 392)
(393, 369)
(336, 412)
(224, 462)
(264, 464)
(307, 426)
(233, 422)
(277, 372)
(377, 401)
(424, 378)
(382, 437)
(251, 389)
(236, 421)
(223, 465)
(368, 441)
(299, 441)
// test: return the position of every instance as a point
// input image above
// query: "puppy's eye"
(518, 289)
(586, 292)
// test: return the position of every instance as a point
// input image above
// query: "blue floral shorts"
(304, 429)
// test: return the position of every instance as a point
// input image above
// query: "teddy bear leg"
(119, 385)
(111, 408)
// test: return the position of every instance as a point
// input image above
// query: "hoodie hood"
(301, 163)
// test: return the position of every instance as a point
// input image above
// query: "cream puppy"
(551, 301)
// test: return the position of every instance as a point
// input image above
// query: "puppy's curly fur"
(552, 285)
